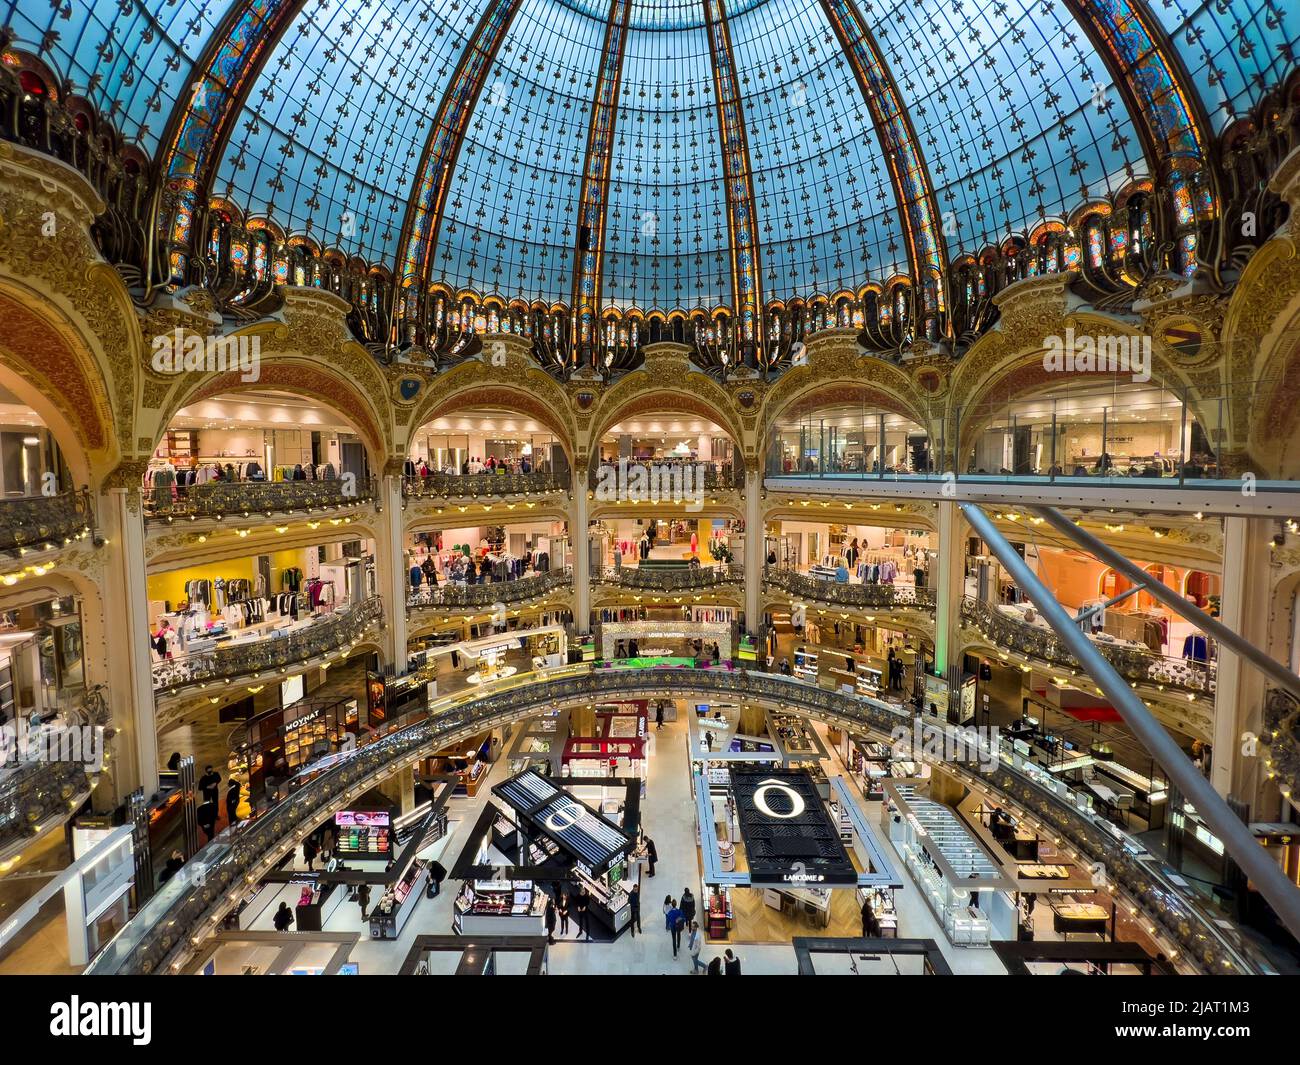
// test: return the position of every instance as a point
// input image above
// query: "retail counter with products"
(500, 907)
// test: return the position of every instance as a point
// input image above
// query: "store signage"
(565, 817)
(302, 719)
(794, 798)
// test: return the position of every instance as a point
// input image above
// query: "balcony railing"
(220, 499)
(866, 596)
(161, 934)
(36, 786)
(324, 636)
(1133, 664)
(674, 580)
(449, 594)
(481, 485)
(42, 523)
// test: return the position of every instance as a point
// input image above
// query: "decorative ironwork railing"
(220, 499)
(480, 485)
(160, 935)
(44, 777)
(324, 636)
(449, 594)
(869, 596)
(674, 580)
(1132, 663)
(42, 523)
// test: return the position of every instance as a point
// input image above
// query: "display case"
(882, 905)
(868, 681)
(805, 665)
(363, 834)
(499, 907)
(718, 914)
(396, 905)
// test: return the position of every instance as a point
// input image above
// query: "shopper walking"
(232, 802)
(674, 921)
(730, 963)
(207, 818)
(283, 918)
(210, 784)
(634, 904)
(694, 943)
(688, 905)
(363, 898)
(652, 855)
(309, 851)
(582, 914)
(550, 920)
(659, 717)
(562, 911)
(437, 874)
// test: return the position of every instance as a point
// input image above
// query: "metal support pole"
(1237, 839)
(1184, 608)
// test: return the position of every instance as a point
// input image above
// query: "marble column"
(949, 582)
(753, 549)
(579, 511)
(390, 567)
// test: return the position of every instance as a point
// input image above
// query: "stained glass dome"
(664, 153)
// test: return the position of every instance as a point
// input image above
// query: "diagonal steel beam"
(1237, 839)
(1187, 610)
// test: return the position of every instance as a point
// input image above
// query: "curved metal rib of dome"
(595, 186)
(746, 287)
(1157, 93)
(200, 127)
(445, 139)
(910, 178)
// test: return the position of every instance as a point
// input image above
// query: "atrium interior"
(819, 479)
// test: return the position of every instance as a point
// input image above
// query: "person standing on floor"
(210, 784)
(694, 943)
(581, 913)
(562, 911)
(363, 898)
(634, 904)
(715, 966)
(309, 851)
(730, 963)
(283, 918)
(870, 926)
(659, 717)
(550, 920)
(673, 920)
(652, 855)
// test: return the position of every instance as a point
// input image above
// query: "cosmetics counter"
(364, 835)
(499, 908)
(871, 763)
(881, 900)
(313, 896)
(421, 833)
(605, 758)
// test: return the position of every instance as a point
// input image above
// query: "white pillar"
(391, 569)
(948, 578)
(126, 636)
(1239, 692)
(579, 510)
(753, 549)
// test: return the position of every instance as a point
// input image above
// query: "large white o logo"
(796, 800)
(565, 817)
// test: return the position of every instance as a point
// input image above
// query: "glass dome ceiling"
(995, 115)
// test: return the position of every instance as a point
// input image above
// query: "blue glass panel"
(332, 131)
(666, 229)
(131, 60)
(509, 222)
(1002, 100)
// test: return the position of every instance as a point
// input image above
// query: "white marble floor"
(667, 815)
